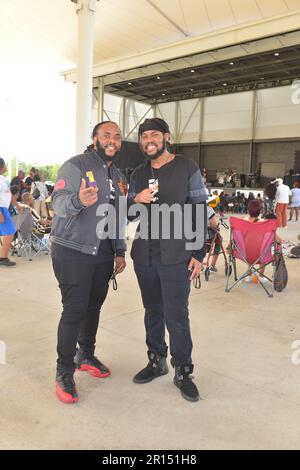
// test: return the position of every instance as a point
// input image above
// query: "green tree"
(49, 172)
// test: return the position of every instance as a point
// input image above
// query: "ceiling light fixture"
(192, 70)
(276, 54)
(129, 83)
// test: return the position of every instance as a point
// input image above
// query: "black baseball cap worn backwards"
(154, 124)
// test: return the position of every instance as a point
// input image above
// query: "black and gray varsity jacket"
(75, 226)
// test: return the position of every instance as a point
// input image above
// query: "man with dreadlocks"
(165, 266)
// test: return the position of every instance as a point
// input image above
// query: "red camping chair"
(254, 244)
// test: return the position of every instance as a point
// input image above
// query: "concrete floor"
(242, 355)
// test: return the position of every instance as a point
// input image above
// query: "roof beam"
(243, 70)
(220, 91)
(162, 13)
(206, 42)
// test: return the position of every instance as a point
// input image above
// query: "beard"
(158, 153)
(102, 154)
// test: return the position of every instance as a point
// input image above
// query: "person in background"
(29, 180)
(295, 202)
(214, 201)
(282, 199)
(7, 228)
(269, 194)
(28, 204)
(48, 201)
(259, 198)
(243, 204)
(15, 208)
(17, 181)
(39, 202)
(212, 227)
(223, 203)
(251, 197)
(21, 176)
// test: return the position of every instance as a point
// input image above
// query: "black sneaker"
(66, 388)
(184, 382)
(6, 262)
(156, 367)
(213, 269)
(92, 365)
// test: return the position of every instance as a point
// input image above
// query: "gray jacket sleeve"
(198, 196)
(197, 190)
(65, 197)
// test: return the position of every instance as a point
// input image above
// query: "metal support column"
(100, 99)
(154, 108)
(253, 129)
(86, 18)
(9, 169)
(177, 125)
(201, 126)
(123, 116)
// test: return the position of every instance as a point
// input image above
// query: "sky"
(37, 114)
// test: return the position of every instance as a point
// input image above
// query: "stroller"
(212, 243)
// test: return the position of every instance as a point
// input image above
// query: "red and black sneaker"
(66, 388)
(92, 365)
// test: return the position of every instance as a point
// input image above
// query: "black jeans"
(83, 287)
(165, 293)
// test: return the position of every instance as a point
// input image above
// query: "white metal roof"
(40, 30)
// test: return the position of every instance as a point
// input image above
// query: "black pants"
(83, 289)
(165, 292)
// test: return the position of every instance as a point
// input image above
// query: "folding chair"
(21, 244)
(28, 240)
(254, 244)
(39, 239)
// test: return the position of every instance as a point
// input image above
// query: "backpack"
(281, 274)
(36, 192)
(295, 252)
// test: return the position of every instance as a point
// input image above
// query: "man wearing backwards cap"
(163, 265)
(83, 257)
